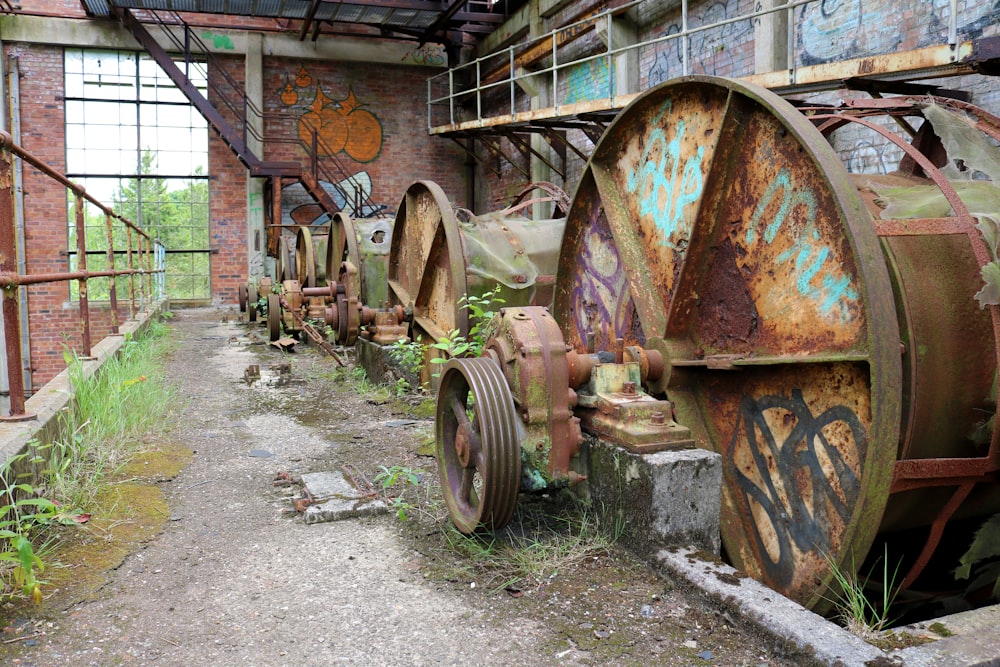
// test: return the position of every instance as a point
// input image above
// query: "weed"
(481, 312)
(22, 513)
(390, 477)
(535, 548)
(409, 354)
(860, 614)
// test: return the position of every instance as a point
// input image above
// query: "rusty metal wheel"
(477, 445)
(252, 302)
(715, 223)
(341, 244)
(305, 258)
(244, 294)
(273, 317)
(426, 264)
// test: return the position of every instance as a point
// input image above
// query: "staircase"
(229, 94)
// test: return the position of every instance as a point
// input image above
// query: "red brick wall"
(53, 320)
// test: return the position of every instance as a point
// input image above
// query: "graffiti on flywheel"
(341, 126)
(665, 187)
(786, 477)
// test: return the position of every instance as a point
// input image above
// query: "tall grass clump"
(114, 412)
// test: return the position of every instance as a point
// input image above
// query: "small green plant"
(481, 311)
(409, 354)
(390, 477)
(402, 387)
(859, 613)
(22, 512)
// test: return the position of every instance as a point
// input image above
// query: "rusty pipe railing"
(10, 279)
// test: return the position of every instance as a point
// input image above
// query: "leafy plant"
(481, 312)
(409, 354)
(21, 513)
(390, 477)
(979, 564)
(859, 613)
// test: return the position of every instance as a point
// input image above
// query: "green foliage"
(980, 559)
(113, 409)
(22, 513)
(859, 613)
(481, 311)
(409, 354)
(390, 477)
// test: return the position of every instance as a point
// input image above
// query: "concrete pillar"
(771, 39)
(621, 34)
(256, 243)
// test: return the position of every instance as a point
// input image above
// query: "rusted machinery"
(724, 283)
(319, 276)
(439, 255)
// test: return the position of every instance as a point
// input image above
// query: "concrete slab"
(338, 499)
(804, 635)
(967, 638)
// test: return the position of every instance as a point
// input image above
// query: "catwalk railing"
(144, 259)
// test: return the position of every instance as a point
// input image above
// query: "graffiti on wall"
(779, 442)
(431, 55)
(589, 80)
(833, 30)
(711, 51)
(340, 125)
(299, 208)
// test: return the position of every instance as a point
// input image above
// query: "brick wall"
(227, 203)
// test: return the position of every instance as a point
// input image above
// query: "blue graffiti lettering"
(657, 179)
(810, 257)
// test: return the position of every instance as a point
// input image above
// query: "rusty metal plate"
(715, 216)
(426, 267)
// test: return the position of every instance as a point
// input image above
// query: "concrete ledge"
(54, 396)
(803, 635)
(665, 498)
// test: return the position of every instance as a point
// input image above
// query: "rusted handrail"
(10, 279)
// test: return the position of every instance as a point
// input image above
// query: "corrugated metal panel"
(97, 7)
(344, 12)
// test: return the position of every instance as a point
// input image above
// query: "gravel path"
(235, 580)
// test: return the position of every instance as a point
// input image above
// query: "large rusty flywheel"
(715, 223)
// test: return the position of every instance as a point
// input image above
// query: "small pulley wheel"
(252, 298)
(477, 445)
(273, 317)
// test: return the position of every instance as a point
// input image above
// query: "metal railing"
(144, 257)
(501, 73)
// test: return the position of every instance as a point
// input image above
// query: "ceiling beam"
(310, 15)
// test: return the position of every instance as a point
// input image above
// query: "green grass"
(545, 539)
(54, 483)
(113, 413)
(862, 613)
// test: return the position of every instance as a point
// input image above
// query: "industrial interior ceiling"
(449, 22)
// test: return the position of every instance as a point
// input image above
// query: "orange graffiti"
(303, 79)
(289, 96)
(342, 126)
(325, 120)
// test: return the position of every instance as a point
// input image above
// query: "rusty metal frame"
(10, 279)
(962, 473)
